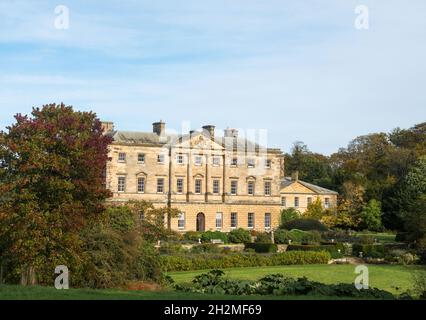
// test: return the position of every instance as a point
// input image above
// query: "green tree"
(51, 184)
(315, 210)
(288, 215)
(371, 216)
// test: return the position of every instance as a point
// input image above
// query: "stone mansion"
(217, 183)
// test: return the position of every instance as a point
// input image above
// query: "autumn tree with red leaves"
(52, 166)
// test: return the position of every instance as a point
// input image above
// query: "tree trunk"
(28, 276)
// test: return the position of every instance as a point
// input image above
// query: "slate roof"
(150, 138)
(287, 181)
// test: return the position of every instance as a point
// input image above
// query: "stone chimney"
(231, 133)
(295, 176)
(159, 128)
(209, 129)
(107, 126)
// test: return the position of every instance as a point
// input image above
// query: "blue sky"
(299, 69)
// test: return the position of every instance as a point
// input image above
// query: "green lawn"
(386, 277)
(381, 237)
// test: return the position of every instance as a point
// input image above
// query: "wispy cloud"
(299, 69)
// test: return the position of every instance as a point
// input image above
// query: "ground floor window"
(327, 202)
(121, 184)
(234, 220)
(296, 202)
(250, 220)
(219, 219)
(283, 201)
(267, 221)
(181, 221)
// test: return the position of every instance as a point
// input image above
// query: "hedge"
(262, 247)
(368, 250)
(333, 249)
(304, 224)
(238, 260)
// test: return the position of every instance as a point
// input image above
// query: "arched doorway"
(201, 222)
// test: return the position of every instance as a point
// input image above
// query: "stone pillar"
(189, 177)
(207, 178)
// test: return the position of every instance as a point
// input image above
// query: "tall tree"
(51, 183)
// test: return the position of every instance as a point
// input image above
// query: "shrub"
(263, 237)
(192, 236)
(170, 248)
(206, 248)
(239, 235)
(214, 282)
(401, 237)
(369, 250)
(212, 235)
(234, 260)
(260, 247)
(289, 214)
(305, 225)
(296, 236)
(365, 239)
(333, 249)
(401, 256)
(339, 236)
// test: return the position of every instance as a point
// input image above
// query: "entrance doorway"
(201, 222)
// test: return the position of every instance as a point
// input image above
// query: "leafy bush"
(401, 256)
(213, 235)
(206, 248)
(263, 237)
(296, 236)
(365, 239)
(289, 215)
(305, 225)
(239, 235)
(339, 236)
(170, 248)
(233, 260)
(333, 249)
(192, 236)
(262, 247)
(369, 250)
(214, 282)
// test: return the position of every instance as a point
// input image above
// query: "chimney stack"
(107, 126)
(159, 128)
(295, 176)
(209, 129)
(231, 133)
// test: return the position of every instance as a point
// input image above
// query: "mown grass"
(382, 237)
(392, 278)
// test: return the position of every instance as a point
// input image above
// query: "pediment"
(296, 187)
(198, 141)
